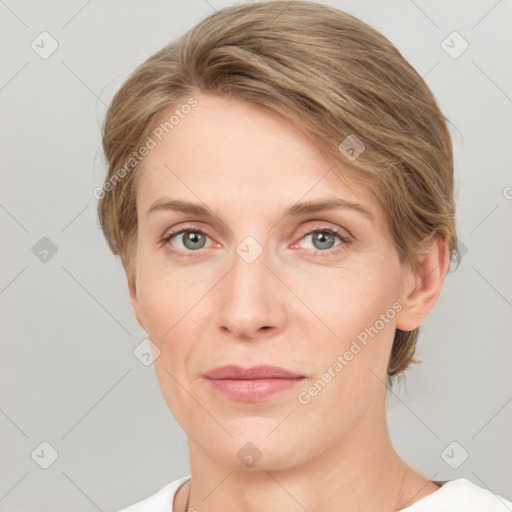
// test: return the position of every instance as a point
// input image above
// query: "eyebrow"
(293, 210)
(326, 204)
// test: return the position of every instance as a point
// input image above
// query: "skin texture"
(289, 308)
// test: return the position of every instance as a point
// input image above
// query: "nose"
(251, 300)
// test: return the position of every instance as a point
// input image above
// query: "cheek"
(166, 304)
(356, 304)
(166, 296)
(349, 299)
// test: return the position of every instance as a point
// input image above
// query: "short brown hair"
(329, 73)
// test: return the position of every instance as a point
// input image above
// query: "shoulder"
(161, 501)
(461, 495)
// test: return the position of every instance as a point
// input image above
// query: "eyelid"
(333, 251)
(343, 234)
(326, 226)
(174, 232)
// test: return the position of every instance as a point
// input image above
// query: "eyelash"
(194, 254)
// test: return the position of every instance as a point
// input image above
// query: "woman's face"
(253, 284)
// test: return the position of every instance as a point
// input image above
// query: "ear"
(135, 306)
(421, 287)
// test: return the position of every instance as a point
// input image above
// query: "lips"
(256, 372)
(251, 384)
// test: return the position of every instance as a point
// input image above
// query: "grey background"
(69, 376)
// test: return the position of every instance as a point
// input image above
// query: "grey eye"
(193, 240)
(323, 240)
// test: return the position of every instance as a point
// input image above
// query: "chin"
(249, 449)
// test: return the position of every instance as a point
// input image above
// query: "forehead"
(227, 150)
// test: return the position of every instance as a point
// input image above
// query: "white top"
(460, 495)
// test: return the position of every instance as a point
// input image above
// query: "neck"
(361, 471)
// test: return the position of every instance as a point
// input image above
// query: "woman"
(280, 191)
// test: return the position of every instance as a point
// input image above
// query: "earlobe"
(422, 287)
(135, 306)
